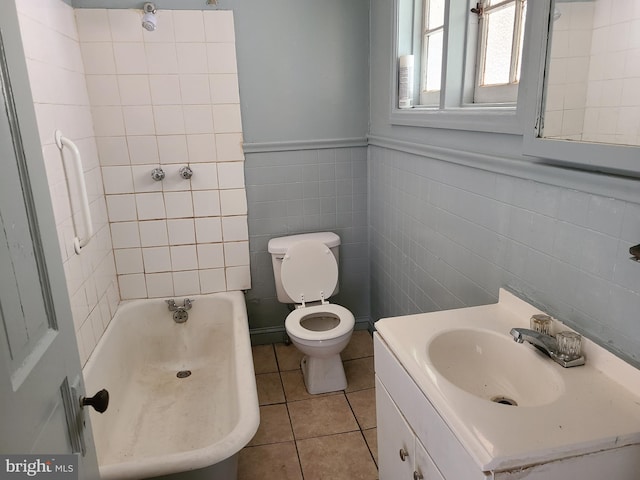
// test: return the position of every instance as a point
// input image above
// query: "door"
(40, 372)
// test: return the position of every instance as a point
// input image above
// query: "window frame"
(505, 92)
(522, 120)
(455, 110)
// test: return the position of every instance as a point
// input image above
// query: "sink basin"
(463, 359)
(493, 367)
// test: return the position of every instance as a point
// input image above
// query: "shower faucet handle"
(157, 174)
(186, 172)
(188, 303)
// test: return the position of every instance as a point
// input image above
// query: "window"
(470, 53)
(432, 43)
(499, 57)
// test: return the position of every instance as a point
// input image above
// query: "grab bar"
(61, 142)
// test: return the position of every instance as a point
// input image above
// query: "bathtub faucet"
(180, 314)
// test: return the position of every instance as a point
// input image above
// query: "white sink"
(493, 367)
(464, 360)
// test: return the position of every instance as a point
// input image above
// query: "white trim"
(473, 118)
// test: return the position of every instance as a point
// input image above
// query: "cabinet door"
(394, 437)
(423, 465)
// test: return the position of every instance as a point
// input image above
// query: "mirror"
(592, 88)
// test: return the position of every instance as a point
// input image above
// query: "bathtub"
(160, 425)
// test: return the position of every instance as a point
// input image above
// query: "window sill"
(493, 119)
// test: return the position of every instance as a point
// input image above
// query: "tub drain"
(183, 373)
(504, 400)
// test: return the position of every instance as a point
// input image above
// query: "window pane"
(434, 61)
(497, 64)
(435, 16)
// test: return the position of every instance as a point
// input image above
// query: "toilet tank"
(278, 247)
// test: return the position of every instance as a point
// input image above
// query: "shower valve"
(186, 172)
(157, 174)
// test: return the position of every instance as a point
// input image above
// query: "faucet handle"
(541, 323)
(172, 305)
(569, 345)
(188, 303)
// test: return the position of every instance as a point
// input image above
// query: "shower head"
(149, 21)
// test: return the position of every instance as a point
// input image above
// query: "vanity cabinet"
(400, 453)
(408, 421)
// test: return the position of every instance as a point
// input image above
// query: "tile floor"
(313, 437)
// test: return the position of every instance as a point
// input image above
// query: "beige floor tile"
(363, 404)
(269, 388)
(275, 426)
(350, 458)
(371, 437)
(360, 374)
(288, 356)
(295, 389)
(360, 345)
(321, 416)
(264, 359)
(277, 461)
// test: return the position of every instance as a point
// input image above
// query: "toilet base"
(323, 374)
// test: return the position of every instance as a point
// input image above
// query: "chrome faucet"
(180, 314)
(547, 345)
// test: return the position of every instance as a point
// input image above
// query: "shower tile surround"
(169, 98)
(61, 101)
(592, 87)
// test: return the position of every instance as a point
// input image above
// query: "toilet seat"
(309, 272)
(295, 328)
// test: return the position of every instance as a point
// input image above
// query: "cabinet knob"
(403, 454)
(417, 476)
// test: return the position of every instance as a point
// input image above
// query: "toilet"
(305, 269)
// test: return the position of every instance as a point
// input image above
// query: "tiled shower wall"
(594, 85)
(613, 94)
(56, 75)
(445, 236)
(569, 69)
(168, 99)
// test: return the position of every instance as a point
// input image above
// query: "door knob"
(100, 401)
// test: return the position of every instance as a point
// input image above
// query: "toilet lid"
(309, 270)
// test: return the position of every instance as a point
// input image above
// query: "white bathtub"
(158, 424)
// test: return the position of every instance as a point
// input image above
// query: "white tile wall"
(62, 97)
(594, 83)
(169, 98)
